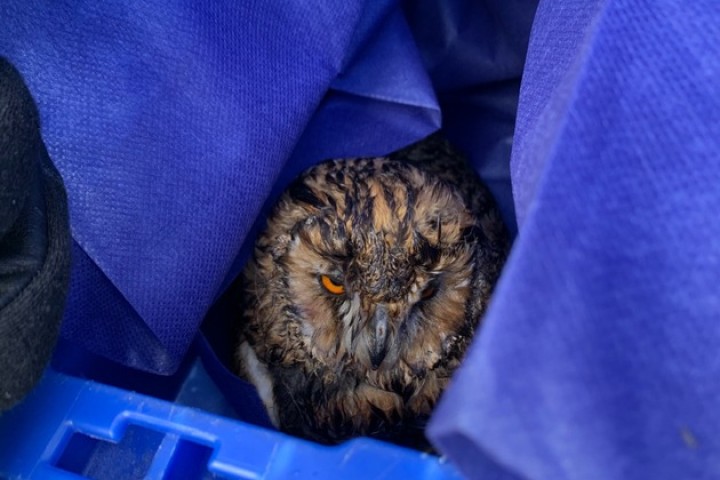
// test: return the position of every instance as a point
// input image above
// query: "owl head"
(361, 298)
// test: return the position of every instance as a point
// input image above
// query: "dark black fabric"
(19, 135)
(34, 243)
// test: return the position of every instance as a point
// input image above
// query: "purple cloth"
(170, 124)
(175, 126)
(600, 358)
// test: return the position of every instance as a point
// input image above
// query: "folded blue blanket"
(174, 126)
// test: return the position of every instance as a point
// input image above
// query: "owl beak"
(377, 345)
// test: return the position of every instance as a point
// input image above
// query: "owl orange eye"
(332, 287)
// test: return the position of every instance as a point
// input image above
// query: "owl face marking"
(367, 307)
(362, 296)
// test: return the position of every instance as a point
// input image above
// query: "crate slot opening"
(100, 459)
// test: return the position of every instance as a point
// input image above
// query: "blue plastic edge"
(35, 434)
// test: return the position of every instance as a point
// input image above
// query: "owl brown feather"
(414, 244)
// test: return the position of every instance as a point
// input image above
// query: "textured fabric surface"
(19, 135)
(170, 124)
(599, 358)
(175, 127)
(34, 243)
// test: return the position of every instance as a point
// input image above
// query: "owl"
(364, 292)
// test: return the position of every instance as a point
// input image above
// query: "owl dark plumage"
(365, 290)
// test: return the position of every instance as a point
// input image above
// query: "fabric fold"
(171, 124)
(598, 356)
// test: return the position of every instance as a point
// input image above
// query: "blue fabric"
(175, 126)
(599, 356)
(474, 53)
(170, 123)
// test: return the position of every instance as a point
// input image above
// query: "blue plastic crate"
(71, 428)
